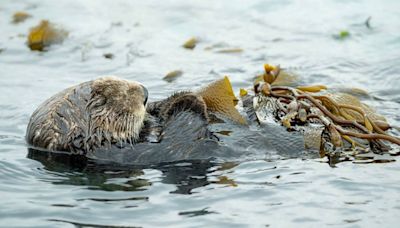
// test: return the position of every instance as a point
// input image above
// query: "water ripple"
(145, 39)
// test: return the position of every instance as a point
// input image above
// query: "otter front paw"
(185, 101)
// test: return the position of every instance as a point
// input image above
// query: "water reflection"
(82, 225)
(74, 170)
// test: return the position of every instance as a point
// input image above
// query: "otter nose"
(145, 94)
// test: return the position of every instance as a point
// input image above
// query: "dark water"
(145, 38)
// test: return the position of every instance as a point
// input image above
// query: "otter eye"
(146, 95)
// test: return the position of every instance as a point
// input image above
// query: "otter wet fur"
(109, 120)
(110, 117)
(91, 115)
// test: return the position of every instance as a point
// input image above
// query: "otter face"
(116, 109)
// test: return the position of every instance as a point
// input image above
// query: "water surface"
(145, 38)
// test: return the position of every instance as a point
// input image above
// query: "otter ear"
(219, 97)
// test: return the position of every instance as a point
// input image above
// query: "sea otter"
(108, 119)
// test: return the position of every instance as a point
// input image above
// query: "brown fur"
(181, 101)
(88, 116)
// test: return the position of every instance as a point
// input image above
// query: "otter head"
(116, 109)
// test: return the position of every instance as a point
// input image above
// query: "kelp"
(345, 117)
(173, 75)
(243, 92)
(220, 98)
(190, 43)
(224, 48)
(343, 34)
(44, 35)
(312, 88)
(286, 77)
(20, 16)
(230, 50)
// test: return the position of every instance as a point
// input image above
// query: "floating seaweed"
(224, 180)
(345, 119)
(223, 48)
(344, 34)
(285, 78)
(173, 75)
(44, 35)
(19, 17)
(191, 43)
(230, 50)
